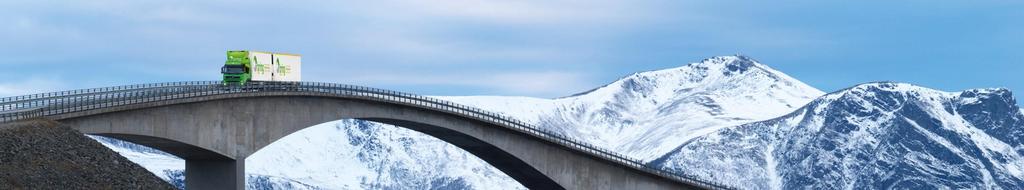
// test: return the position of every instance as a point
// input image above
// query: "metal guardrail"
(64, 102)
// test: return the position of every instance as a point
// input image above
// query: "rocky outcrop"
(42, 154)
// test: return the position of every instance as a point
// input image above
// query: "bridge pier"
(215, 174)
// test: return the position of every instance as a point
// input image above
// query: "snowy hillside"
(346, 154)
(644, 115)
(356, 154)
(871, 136)
(648, 114)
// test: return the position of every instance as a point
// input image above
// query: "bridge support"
(215, 174)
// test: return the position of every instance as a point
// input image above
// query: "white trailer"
(288, 67)
(278, 67)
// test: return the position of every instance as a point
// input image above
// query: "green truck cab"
(237, 69)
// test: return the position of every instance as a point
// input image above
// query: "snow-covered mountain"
(871, 136)
(357, 154)
(648, 114)
(346, 154)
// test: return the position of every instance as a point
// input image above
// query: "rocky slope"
(46, 155)
(871, 136)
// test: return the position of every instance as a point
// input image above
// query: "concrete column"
(215, 174)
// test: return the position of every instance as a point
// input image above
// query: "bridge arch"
(235, 128)
(235, 123)
(177, 148)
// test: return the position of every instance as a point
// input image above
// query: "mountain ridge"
(739, 56)
(883, 125)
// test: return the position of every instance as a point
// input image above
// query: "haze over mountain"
(675, 118)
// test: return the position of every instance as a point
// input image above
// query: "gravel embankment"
(43, 154)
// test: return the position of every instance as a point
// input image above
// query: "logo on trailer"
(282, 69)
(261, 68)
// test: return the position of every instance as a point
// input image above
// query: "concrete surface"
(214, 134)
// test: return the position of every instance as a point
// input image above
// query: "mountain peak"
(993, 110)
(730, 64)
(999, 99)
(714, 93)
(884, 90)
(988, 93)
(986, 108)
(887, 86)
(731, 71)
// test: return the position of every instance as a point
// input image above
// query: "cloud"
(420, 49)
(542, 84)
(546, 83)
(514, 30)
(112, 40)
(529, 12)
(30, 86)
(170, 40)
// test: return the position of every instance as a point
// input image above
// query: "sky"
(539, 48)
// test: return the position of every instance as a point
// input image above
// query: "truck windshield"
(232, 69)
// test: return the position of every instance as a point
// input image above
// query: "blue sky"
(542, 48)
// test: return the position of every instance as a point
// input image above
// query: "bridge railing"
(58, 103)
(90, 91)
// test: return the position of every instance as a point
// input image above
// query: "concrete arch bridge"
(214, 127)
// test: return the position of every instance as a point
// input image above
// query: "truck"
(245, 67)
